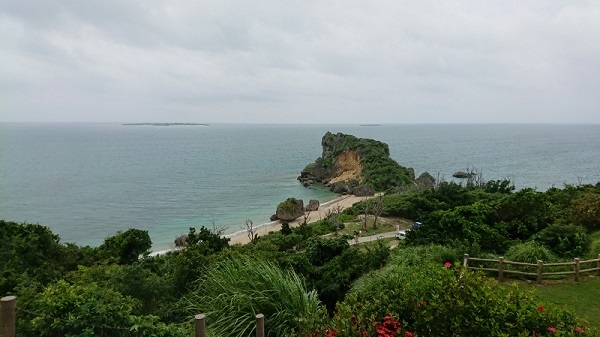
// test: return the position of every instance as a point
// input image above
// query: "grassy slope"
(582, 297)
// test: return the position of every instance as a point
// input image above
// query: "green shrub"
(564, 240)
(89, 310)
(436, 300)
(529, 252)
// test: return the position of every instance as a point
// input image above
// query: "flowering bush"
(436, 300)
(388, 327)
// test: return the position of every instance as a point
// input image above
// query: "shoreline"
(241, 236)
(344, 202)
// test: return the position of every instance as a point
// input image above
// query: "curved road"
(374, 237)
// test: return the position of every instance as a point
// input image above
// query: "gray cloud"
(300, 61)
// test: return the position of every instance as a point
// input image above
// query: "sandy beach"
(343, 202)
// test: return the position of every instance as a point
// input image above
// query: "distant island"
(165, 124)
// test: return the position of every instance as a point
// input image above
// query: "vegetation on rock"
(376, 168)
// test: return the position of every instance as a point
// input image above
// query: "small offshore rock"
(462, 175)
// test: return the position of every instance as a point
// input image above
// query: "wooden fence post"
(501, 269)
(466, 260)
(260, 325)
(577, 270)
(200, 325)
(8, 317)
(540, 266)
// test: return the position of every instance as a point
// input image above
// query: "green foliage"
(565, 240)
(499, 186)
(585, 210)
(524, 213)
(334, 278)
(235, 290)
(412, 256)
(472, 224)
(287, 206)
(432, 300)
(529, 252)
(89, 310)
(32, 253)
(327, 225)
(594, 249)
(319, 251)
(136, 280)
(211, 240)
(285, 228)
(126, 247)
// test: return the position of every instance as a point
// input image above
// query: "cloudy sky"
(350, 61)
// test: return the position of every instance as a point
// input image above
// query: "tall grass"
(233, 292)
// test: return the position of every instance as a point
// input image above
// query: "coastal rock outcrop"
(425, 180)
(351, 165)
(313, 205)
(290, 210)
(181, 241)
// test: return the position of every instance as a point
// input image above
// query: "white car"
(401, 234)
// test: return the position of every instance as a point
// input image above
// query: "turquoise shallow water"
(86, 181)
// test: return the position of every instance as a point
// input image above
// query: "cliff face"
(351, 165)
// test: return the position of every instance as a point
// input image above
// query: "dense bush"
(439, 300)
(564, 240)
(473, 224)
(89, 310)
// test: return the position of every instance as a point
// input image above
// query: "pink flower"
(409, 334)
(447, 265)
(580, 330)
(551, 329)
(540, 308)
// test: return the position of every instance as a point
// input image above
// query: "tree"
(251, 231)
(585, 210)
(377, 209)
(126, 247)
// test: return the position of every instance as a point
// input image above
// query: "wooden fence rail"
(8, 308)
(539, 267)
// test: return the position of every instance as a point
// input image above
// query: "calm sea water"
(87, 181)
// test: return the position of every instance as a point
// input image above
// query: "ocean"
(88, 181)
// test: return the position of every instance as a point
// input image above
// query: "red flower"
(541, 309)
(552, 329)
(447, 265)
(580, 330)
(409, 334)
(421, 304)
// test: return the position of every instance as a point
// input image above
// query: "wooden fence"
(576, 267)
(8, 308)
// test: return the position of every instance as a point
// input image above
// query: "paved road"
(370, 238)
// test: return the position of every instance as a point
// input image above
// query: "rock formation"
(351, 165)
(425, 180)
(290, 209)
(313, 205)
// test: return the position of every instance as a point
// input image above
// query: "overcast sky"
(300, 61)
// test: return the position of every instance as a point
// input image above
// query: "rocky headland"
(358, 166)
